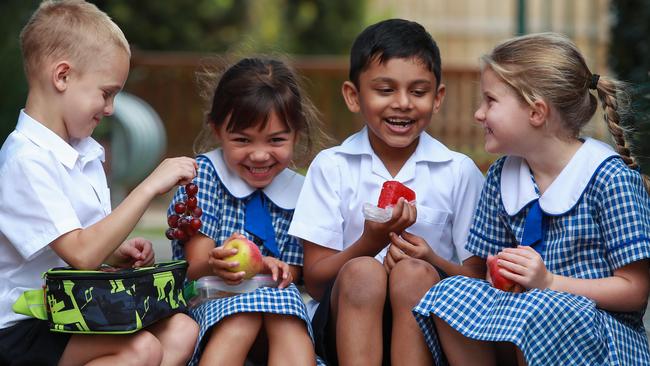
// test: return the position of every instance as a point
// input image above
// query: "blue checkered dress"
(223, 214)
(608, 228)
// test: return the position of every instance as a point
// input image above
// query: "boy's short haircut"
(394, 38)
(72, 29)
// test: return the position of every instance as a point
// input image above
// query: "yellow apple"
(248, 256)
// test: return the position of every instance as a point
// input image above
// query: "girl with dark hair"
(257, 114)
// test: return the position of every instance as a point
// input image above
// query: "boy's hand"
(133, 253)
(171, 172)
(404, 215)
(412, 245)
(279, 271)
(406, 245)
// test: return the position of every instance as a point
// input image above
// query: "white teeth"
(258, 170)
(402, 122)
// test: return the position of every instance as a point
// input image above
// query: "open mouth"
(399, 122)
(259, 170)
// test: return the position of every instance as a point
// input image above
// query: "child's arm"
(410, 245)
(89, 247)
(626, 290)
(321, 264)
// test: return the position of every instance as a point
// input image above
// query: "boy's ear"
(439, 97)
(538, 114)
(60, 75)
(351, 96)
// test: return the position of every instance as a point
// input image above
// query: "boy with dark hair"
(369, 275)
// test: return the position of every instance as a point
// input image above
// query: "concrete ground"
(154, 223)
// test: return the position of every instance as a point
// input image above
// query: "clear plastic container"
(213, 287)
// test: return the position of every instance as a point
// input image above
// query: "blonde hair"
(71, 29)
(549, 67)
(243, 95)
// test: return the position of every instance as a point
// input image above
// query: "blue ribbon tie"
(258, 222)
(533, 229)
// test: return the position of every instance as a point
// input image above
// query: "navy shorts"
(30, 342)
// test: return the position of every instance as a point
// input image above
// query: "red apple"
(248, 255)
(391, 191)
(498, 281)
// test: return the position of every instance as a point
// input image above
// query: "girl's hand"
(404, 215)
(279, 271)
(524, 266)
(220, 266)
(171, 172)
(133, 253)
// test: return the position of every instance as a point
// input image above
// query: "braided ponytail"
(609, 92)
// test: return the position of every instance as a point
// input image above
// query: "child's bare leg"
(141, 348)
(409, 280)
(461, 350)
(231, 339)
(177, 335)
(357, 303)
(289, 342)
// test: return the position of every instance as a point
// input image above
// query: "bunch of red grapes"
(186, 219)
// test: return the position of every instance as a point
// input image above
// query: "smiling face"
(504, 116)
(89, 92)
(397, 99)
(258, 153)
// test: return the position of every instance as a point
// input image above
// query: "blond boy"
(54, 200)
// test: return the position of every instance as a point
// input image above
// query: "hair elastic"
(594, 81)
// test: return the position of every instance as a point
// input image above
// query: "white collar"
(86, 149)
(428, 150)
(518, 189)
(283, 190)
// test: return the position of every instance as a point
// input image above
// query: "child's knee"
(142, 349)
(410, 279)
(362, 281)
(185, 329)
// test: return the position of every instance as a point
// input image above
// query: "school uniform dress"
(593, 219)
(223, 197)
(341, 179)
(47, 188)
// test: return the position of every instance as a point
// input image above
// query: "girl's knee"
(239, 325)
(410, 279)
(361, 281)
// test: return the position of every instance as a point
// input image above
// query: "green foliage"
(291, 26)
(630, 59)
(13, 15)
(181, 25)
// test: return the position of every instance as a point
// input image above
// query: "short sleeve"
(488, 233)
(467, 191)
(34, 209)
(624, 218)
(317, 217)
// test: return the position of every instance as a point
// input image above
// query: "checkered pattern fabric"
(223, 214)
(608, 228)
(268, 300)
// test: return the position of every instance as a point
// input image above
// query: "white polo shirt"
(47, 188)
(341, 179)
